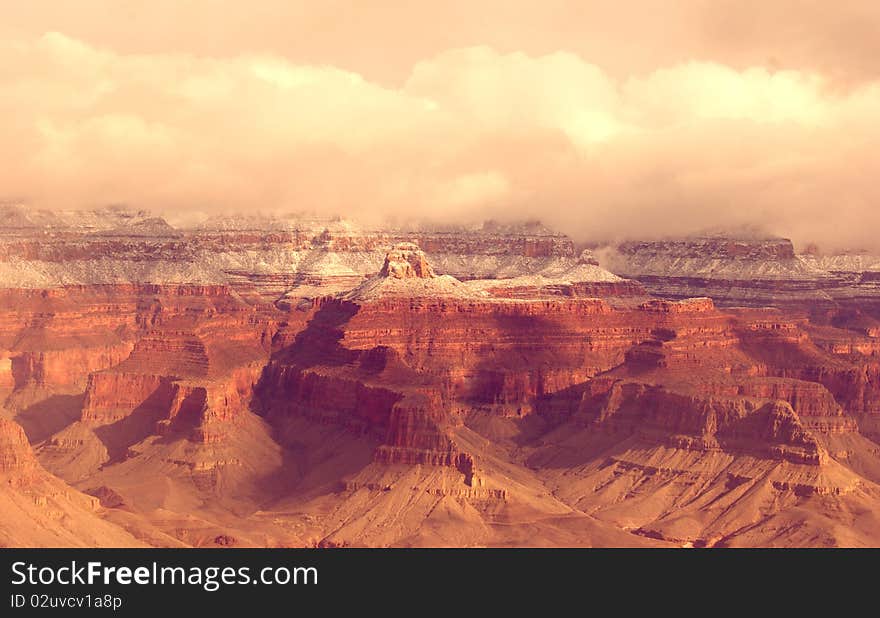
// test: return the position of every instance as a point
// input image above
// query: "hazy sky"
(626, 118)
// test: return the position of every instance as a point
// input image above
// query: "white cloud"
(471, 133)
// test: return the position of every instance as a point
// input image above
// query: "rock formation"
(745, 271)
(40, 510)
(406, 261)
(309, 382)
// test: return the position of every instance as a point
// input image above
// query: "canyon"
(297, 381)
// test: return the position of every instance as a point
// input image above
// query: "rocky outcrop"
(18, 466)
(406, 261)
(195, 406)
(749, 271)
(53, 339)
(114, 395)
(755, 249)
(688, 421)
(191, 357)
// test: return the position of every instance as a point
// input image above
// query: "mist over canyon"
(668, 145)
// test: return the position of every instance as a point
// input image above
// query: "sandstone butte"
(394, 404)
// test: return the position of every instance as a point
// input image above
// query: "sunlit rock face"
(406, 261)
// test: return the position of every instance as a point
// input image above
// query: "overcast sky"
(621, 119)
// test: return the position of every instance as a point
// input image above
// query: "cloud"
(383, 40)
(470, 133)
